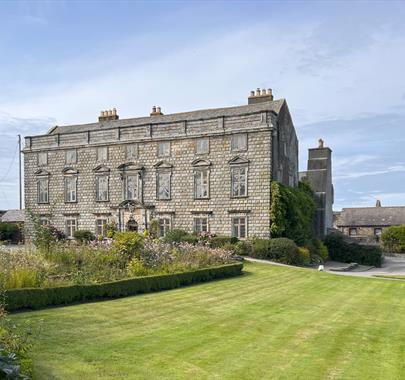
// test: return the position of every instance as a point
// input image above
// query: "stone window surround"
(103, 225)
(199, 220)
(98, 150)
(102, 171)
(164, 226)
(353, 231)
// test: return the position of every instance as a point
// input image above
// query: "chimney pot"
(320, 143)
(378, 203)
(252, 93)
(258, 92)
(114, 111)
(158, 110)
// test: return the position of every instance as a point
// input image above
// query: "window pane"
(164, 185)
(70, 189)
(43, 190)
(201, 183)
(102, 188)
(131, 190)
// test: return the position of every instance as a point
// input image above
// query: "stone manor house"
(203, 171)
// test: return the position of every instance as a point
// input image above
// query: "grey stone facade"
(271, 152)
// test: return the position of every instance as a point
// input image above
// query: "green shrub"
(36, 298)
(137, 268)
(317, 250)
(243, 248)
(84, 236)
(304, 254)
(175, 236)
(9, 231)
(282, 250)
(128, 244)
(393, 239)
(342, 251)
(220, 241)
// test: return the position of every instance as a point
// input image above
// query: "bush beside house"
(393, 239)
(341, 250)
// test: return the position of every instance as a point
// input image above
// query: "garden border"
(38, 298)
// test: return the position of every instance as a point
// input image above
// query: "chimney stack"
(156, 111)
(108, 115)
(260, 96)
(378, 203)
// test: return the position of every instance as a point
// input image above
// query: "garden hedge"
(37, 298)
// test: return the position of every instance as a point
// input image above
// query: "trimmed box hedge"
(37, 298)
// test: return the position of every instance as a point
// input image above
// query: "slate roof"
(371, 216)
(274, 106)
(13, 216)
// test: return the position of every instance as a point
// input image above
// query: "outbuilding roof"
(13, 216)
(371, 216)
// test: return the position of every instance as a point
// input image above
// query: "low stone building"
(17, 218)
(367, 223)
(203, 171)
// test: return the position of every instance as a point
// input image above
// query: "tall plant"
(292, 212)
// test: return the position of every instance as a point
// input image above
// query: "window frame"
(103, 226)
(137, 181)
(70, 228)
(164, 227)
(98, 177)
(353, 229)
(238, 226)
(238, 194)
(66, 179)
(380, 231)
(236, 147)
(199, 220)
(163, 153)
(160, 173)
(207, 151)
(39, 180)
(199, 173)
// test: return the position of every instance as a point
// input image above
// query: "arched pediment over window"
(163, 165)
(238, 160)
(101, 169)
(130, 166)
(69, 171)
(201, 163)
(42, 172)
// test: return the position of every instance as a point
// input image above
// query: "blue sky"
(340, 65)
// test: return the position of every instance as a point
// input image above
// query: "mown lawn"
(271, 323)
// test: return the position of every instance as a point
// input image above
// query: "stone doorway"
(133, 216)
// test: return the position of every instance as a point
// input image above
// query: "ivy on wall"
(292, 212)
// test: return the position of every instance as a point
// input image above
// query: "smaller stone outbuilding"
(15, 217)
(367, 223)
